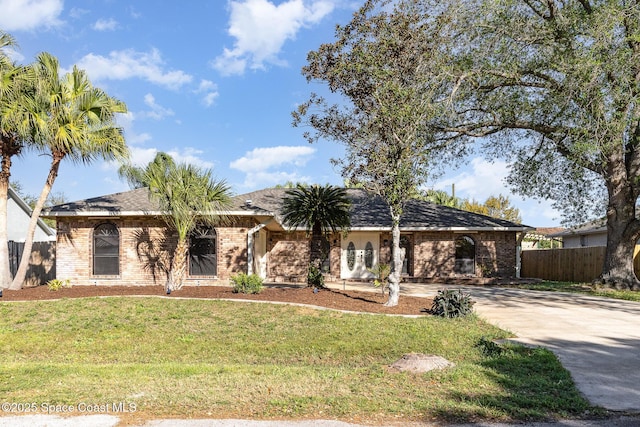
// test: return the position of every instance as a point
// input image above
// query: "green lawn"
(581, 288)
(198, 358)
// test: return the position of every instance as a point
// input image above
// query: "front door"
(359, 254)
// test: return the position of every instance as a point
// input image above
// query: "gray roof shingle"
(368, 211)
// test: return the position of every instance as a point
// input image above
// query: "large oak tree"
(557, 86)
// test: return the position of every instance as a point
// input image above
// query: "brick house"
(120, 239)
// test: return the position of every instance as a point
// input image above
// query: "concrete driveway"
(596, 339)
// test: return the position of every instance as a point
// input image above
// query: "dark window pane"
(368, 255)
(465, 255)
(202, 253)
(351, 256)
(106, 250)
(106, 266)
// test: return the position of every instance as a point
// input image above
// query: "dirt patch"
(419, 363)
(368, 302)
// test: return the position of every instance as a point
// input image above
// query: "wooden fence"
(568, 265)
(42, 262)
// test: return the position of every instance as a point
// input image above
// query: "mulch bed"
(368, 302)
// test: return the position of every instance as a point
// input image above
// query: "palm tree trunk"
(178, 266)
(18, 280)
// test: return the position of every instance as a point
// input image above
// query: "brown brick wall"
(145, 250)
(287, 257)
(433, 253)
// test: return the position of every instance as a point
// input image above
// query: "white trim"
(454, 229)
(111, 214)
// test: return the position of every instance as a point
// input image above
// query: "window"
(368, 255)
(106, 250)
(203, 260)
(465, 255)
(351, 256)
(405, 244)
(326, 258)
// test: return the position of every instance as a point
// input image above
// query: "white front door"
(359, 254)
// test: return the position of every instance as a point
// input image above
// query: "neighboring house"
(121, 239)
(42, 258)
(592, 233)
(543, 238)
(18, 217)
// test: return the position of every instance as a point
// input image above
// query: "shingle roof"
(128, 202)
(368, 211)
(595, 226)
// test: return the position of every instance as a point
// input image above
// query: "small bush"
(451, 303)
(246, 284)
(57, 284)
(381, 272)
(315, 277)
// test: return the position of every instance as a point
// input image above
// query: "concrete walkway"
(596, 339)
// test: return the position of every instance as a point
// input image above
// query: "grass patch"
(195, 358)
(580, 288)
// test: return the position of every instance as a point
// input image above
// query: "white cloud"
(210, 91)
(77, 13)
(25, 15)
(105, 25)
(264, 166)
(142, 156)
(14, 55)
(128, 64)
(261, 159)
(157, 112)
(125, 121)
(261, 28)
(484, 179)
(191, 156)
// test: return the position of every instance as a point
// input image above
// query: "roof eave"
(93, 214)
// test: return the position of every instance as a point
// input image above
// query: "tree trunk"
(396, 263)
(623, 230)
(315, 252)
(18, 280)
(178, 266)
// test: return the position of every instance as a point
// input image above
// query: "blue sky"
(210, 82)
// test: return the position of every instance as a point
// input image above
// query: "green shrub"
(56, 284)
(246, 284)
(315, 277)
(451, 303)
(381, 272)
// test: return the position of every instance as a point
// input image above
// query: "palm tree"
(16, 90)
(440, 197)
(72, 120)
(321, 210)
(187, 196)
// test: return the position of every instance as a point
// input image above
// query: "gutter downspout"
(250, 242)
